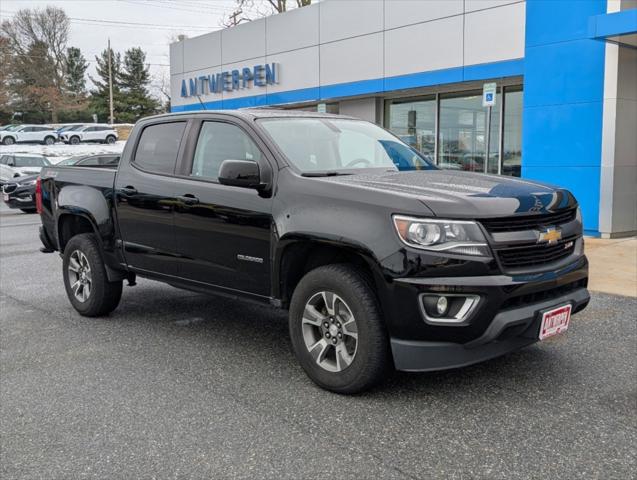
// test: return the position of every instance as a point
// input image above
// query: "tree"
(99, 99)
(135, 79)
(248, 10)
(5, 95)
(36, 41)
(76, 66)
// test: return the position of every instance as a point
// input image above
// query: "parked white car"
(19, 165)
(29, 134)
(90, 133)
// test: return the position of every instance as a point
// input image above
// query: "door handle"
(188, 199)
(129, 190)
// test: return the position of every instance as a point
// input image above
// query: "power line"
(26, 55)
(116, 23)
(171, 6)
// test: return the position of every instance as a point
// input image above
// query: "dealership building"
(563, 108)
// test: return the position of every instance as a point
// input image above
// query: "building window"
(414, 121)
(462, 136)
(459, 122)
(512, 134)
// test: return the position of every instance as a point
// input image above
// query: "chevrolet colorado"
(382, 259)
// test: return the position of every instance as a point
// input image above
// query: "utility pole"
(233, 18)
(110, 82)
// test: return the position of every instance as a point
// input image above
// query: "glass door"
(463, 133)
(414, 122)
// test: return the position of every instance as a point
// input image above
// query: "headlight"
(30, 182)
(578, 215)
(452, 236)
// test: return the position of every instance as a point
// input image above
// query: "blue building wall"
(563, 100)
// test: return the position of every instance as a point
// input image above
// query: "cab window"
(219, 141)
(158, 147)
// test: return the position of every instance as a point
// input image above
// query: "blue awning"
(619, 27)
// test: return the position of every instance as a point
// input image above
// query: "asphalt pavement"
(180, 385)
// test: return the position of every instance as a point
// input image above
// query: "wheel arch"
(297, 255)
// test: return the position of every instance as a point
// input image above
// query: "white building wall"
(344, 41)
(618, 176)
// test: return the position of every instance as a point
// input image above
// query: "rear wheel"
(337, 330)
(85, 280)
(110, 139)
(74, 140)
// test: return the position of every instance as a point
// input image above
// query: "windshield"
(334, 144)
(25, 161)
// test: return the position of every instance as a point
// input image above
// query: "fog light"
(441, 305)
(451, 308)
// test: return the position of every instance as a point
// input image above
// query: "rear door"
(145, 192)
(223, 233)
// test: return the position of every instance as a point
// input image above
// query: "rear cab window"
(158, 147)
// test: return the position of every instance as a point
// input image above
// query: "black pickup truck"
(382, 259)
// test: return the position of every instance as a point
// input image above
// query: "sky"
(162, 21)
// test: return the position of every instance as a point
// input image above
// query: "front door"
(223, 232)
(146, 199)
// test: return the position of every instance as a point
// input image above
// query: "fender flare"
(348, 245)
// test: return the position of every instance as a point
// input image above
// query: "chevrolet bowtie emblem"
(551, 236)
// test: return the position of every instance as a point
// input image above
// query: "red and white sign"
(555, 321)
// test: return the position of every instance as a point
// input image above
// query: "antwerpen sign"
(230, 80)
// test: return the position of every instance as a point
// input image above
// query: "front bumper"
(507, 318)
(20, 197)
(508, 331)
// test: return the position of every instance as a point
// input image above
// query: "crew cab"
(381, 259)
(29, 134)
(90, 133)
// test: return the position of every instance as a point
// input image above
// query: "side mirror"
(240, 173)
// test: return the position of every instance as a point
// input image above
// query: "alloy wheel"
(329, 331)
(79, 274)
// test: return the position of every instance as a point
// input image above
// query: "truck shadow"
(230, 330)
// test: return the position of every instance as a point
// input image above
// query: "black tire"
(74, 140)
(8, 140)
(49, 140)
(28, 210)
(110, 139)
(104, 295)
(372, 359)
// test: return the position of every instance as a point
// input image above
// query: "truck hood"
(464, 194)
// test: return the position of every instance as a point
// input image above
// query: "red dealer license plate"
(555, 321)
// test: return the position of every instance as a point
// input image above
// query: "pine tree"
(99, 100)
(76, 66)
(135, 79)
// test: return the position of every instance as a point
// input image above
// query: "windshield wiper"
(324, 174)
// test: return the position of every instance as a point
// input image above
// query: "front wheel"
(74, 140)
(8, 141)
(85, 280)
(337, 330)
(110, 139)
(49, 141)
